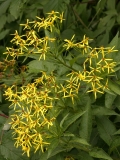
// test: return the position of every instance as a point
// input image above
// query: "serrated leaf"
(114, 87)
(109, 99)
(71, 118)
(105, 128)
(99, 153)
(4, 6)
(86, 122)
(4, 33)
(103, 111)
(115, 144)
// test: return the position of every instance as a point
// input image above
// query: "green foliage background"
(99, 127)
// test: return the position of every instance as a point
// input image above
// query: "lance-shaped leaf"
(99, 111)
(71, 118)
(86, 122)
(114, 87)
(105, 128)
(115, 143)
(99, 153)
(109, 99)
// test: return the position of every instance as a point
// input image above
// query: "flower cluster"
(71, 85)
(31, 104)
(31, 43)
(95, 66)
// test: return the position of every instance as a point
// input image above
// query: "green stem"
(93, 18)
(64, 63)
(78, 17)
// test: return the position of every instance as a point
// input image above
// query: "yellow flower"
(92, 78)
(110, 66)
(26, 25)
(70, 43)
(26, 149)
(95, 90)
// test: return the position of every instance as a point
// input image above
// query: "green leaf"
(99, 153)
(105, 128)
(36, 66)
(114, 41)
(110, 24)
(8, 150)
(83, 156)
(103, 21)
(111, 12)
(2, 21)
(79, 141)
(99, 30)
(117, 68)
(56, 5)
(15, 8)
(104, 39)
(101, 4)
(10, 18)
(111, 4)
(53, 144)
(109, 99)
(4, 33)
(86, 122)
(118, 18)
(103, 111)
(71, 118)
(4, 6)
(57, 150)
(114, 87)
(67, 34)
(117, 132)
(115, 143)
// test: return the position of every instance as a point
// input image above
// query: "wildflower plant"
(58, 86)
